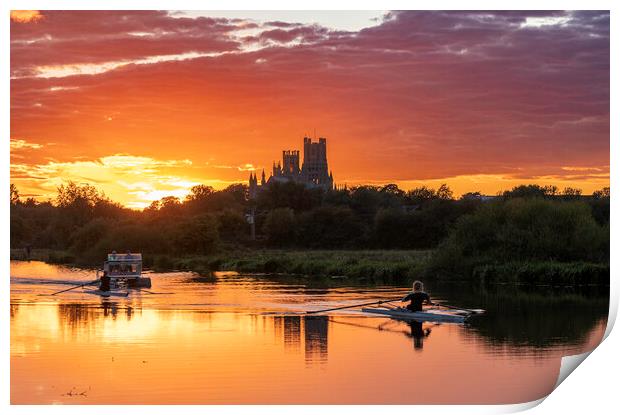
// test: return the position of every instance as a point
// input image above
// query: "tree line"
(529, 218)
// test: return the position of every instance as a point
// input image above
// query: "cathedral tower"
(314, 169)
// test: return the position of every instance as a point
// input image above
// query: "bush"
(130, 237)
(232, 226)
(18, 230)
(330, 227)
(279, 227)
(60, 258)
(197, 235)
(522, 230)
(163, 263)
(89, 235)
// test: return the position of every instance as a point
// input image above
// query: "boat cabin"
(125, 270)
(129, 265)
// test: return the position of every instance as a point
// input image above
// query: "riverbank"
(356, 266)
(373, 267)
(51, 256)
(380, 266)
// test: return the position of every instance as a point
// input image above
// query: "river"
(245, 339)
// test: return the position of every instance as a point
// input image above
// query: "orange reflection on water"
(111, 353)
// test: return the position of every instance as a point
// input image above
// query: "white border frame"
(592, 389)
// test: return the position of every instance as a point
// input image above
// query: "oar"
(152, 292)
(73, 288)
(459, 308)
(353, 306)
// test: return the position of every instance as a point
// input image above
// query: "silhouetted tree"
(600, 204)
(530, 190)
(366, 200)
(200, 192)
(330, 227)
(85, 222)
(87, 236)
(73, 194)
(197, 235)
(14, 195)
(232, 226)
(420, 194)
(601, 194)
(571, 193)
(291, 195)
(523, 229)
(280, 227)
(444, 192)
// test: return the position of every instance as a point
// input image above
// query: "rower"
(417, 297)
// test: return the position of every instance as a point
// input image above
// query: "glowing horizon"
(146, 104)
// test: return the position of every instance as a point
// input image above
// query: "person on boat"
(104, 284)
(417, 297)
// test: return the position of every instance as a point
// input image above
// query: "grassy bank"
(525, 241)
(50, 256)
(356, 266)
(372, 267)
(361, 266)
(543, 273)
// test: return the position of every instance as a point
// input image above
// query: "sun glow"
(134, 181)
(25, 16)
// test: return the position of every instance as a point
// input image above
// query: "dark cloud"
(281, 24)
(301, 33)
(63, 37)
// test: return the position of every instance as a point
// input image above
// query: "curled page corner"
(568, 364)
(613, 311)
(520, 407)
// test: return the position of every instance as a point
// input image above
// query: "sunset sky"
(145, 104)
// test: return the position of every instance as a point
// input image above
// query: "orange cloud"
(26, 16)
(419, 98)
(18, 144)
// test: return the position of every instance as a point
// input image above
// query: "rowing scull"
(419, 315)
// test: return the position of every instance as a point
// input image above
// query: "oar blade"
(73, 288)
(352, 306)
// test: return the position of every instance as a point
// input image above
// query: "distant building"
(314, 171)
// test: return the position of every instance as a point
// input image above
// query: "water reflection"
(531, 334)
(418, 333)
(217, 343)
(206, 357)
(73, 316)
(14, 308)
(289, 329)
(536, 320)
(76, 314)
(315, 336)
(292, 331)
